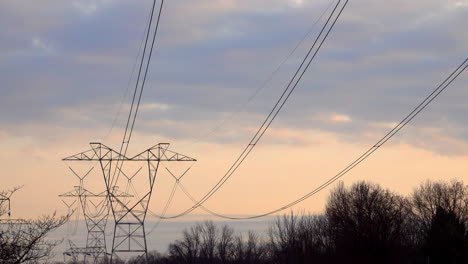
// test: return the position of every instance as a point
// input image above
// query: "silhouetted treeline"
(362, 224)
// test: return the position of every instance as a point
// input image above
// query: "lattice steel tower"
(129, 213)
(95, 208)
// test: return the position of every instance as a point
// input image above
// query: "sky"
(66, 67)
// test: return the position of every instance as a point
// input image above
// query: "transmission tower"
(129, 214)
(95, 209)
(96, 220)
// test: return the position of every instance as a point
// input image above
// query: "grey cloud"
(381, 60)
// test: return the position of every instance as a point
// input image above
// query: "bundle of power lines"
(281, 101)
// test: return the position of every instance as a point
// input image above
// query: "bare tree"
(284, 240)
(442, 211)
(254, 250)
(225, 244)
(366, 222)
(431, 196)
(187, 250)
(363, 223)
(238, 252)
(209, 239)
(297, 238)
(250, 251)
(24, 241)
(207, 243)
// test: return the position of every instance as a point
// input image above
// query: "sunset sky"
(65, 69)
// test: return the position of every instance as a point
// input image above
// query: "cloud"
(211, 57)
(87, 8)
(209, 64)
(42, 45)
(297, 3)
(340, 118)
(155, 107)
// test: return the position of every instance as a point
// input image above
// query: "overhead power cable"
(306, 62)
(139, 86)
(265, 83)
(130, 79)
(166, 207)
(420, 107)
(256, 92)
(170, 199)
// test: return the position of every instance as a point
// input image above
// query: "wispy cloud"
(42, 45)
(89, 7)
(65, 66)
(461, 3)
(340, 118)
(208, 64)
(155, 107)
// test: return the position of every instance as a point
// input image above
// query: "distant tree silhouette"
(153, 258)
(363, 224)
(209, 238)
(298, 238)
(206, 243)
(188, 249)
(431, 196)
(446, 238)
(250, 251)
(442, 209)
(366, 223)
(225, 246)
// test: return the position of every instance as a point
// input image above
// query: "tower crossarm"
(82, 192)
(98, 152)
(78, 192)
(160, 152)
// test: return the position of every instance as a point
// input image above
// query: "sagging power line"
(293, 83)
(130, 212)
(420, 107)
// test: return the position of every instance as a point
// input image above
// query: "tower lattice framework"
(129, 214)
(96, 214)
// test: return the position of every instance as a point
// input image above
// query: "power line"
(134, 109)
(265, 83)
(119, 109)
(433, 95)
(166, 206)
(170, 199)
(306, 62)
